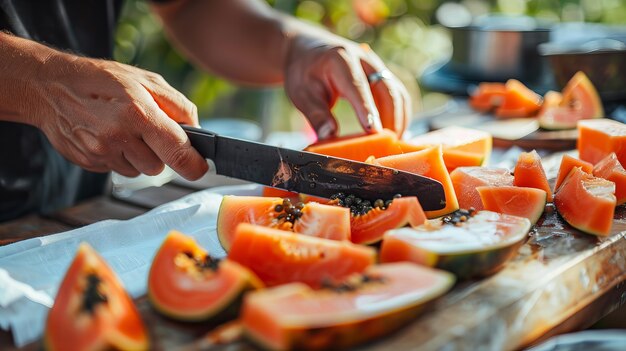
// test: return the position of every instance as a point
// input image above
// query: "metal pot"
(602, 60)
(497, 48)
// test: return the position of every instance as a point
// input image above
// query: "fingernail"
(325, 131)
(373, 122)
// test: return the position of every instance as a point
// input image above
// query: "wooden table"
(561, 281)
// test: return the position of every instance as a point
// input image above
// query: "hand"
(103, 115)
(321, 70)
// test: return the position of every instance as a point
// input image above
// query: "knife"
(310, 173)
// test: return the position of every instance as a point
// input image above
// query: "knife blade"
(310, 173)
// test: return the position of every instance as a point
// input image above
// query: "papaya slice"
(187, 284)
(465, 243)
(458, 158)
(279, 257)
(586, 202)
(92, 311)
(369, 221)
(465, 180)
(552, 115)
(512, 200)
(487, 96)
(429, 163)
(530, 173)
(609, 168)
(360, 147)
(452, 158)
(324, 221)
(519, 101)
(567, 163)
(580, 100)
(597, 138)
(467, 141)
(360, 309)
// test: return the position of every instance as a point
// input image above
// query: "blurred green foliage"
(404, 33)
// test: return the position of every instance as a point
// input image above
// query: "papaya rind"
(465, 263)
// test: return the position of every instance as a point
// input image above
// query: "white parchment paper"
(31, 270)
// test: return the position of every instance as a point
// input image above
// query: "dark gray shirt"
(33, 176)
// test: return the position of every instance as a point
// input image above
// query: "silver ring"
(379, 75)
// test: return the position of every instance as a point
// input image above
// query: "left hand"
(321, 69)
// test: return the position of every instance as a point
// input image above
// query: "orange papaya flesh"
(92, 311)
(306, 198)
(586, 202)
(406, 146)
(567, 163)
(452, 158)
(368, 227)
(465, 180)
(312, 218)
(186, 284)
(610, 169)
(581, 95)
(454, 139)
(530, 173)
(457, 158)
(465, 243)
(429, 163)
(359, 148)
(512, 200)
(487, 96)
(279, 257)
(362, 308)
(519, 101)
(597, 138)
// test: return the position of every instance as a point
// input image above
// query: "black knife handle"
(202, 140)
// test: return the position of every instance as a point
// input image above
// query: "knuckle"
(152, 168)
(179, 157)
(135, 111)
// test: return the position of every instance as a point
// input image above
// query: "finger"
(388, 97)
(172, 102)
(407, 108)
(323, 122)
(123, 167)
(348, 78)
(143, 158)
(316, 109)
(171, 145)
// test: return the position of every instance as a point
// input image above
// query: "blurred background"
(409, 35)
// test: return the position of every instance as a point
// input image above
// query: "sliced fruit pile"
(579, 100)
(298, 274)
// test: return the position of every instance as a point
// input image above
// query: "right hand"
(103, 115)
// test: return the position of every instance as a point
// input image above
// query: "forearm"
(21, 61)
(242, 40)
